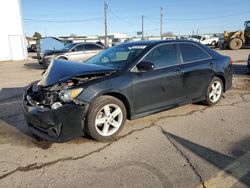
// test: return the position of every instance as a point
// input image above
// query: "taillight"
(231, 61)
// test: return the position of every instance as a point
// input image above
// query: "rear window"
(191, 52)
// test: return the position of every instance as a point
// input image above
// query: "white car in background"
(209, 40)
(195, 38)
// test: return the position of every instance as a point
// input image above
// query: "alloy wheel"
(215, 91)
(108, 120)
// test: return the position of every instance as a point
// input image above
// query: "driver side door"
(161, 87)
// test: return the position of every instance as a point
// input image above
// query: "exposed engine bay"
(47, 96)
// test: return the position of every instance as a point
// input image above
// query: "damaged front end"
(51, 107)
(51, 118)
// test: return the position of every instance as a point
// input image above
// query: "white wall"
(12, 46)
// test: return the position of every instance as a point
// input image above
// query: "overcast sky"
(85, 17)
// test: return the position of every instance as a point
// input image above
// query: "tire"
(100, 123)
(213, 43)
(235, 44)
(214, 91)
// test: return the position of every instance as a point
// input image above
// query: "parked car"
(209, 40)
(248, 63)
(195, 38)
(129, 80)
(73, 51)
(32, 48)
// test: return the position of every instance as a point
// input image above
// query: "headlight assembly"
(69, 95)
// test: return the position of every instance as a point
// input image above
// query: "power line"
(62, 21)
(121, 18)
(209, 18)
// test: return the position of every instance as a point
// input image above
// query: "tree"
(37, 35)
(73, 35)
(168, 34)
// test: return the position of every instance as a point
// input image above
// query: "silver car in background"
(73, 51)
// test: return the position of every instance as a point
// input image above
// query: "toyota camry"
(127, 81)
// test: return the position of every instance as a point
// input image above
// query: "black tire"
(213, 43)
(208, 100)
(95, 108)
(235, 44)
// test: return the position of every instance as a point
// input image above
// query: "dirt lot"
(190, 146)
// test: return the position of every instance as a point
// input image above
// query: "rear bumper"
(228, 77)
(248, 62)
(60, 125)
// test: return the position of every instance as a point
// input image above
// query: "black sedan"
(128, 81)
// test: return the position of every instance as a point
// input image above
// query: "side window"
(191, 52)
(92, 47)
(162, 56)
(79, 48)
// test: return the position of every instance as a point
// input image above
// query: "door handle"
(211, 64)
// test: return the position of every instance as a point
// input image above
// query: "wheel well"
(62, 57)
(124, 100)
(223, 81)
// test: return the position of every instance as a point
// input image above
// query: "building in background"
(13, 45)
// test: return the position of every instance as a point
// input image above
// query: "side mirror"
(145, 66)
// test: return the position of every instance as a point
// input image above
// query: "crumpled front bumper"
(60, 125)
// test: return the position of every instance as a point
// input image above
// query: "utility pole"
(105, 24)
(142, 27)
(161, 23)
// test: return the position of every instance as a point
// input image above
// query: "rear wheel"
(235, 44)
(106, 117)
(213, 43)
(214, 91)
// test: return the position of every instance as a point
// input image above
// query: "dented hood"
(60, 71)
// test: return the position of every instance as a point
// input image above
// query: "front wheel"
(235, 44)
(106, 117)
(213, 43)
(214, 91)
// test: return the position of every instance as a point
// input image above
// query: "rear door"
(76, 53)
(91, 50)
(197, 65)
(162, 86)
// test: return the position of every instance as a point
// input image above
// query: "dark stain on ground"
(43, 144)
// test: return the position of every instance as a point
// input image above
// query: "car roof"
(76, 43)
(155, 42)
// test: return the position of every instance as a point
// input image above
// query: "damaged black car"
(128, 81)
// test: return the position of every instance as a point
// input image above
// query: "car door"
(197, 66)
(91, 50)
(160, 87)
(76, 53)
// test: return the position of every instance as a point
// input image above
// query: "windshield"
(118, 56)
(69, 46)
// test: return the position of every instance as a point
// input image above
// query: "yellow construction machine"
(238, 39)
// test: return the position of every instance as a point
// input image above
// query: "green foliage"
(37, 35)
